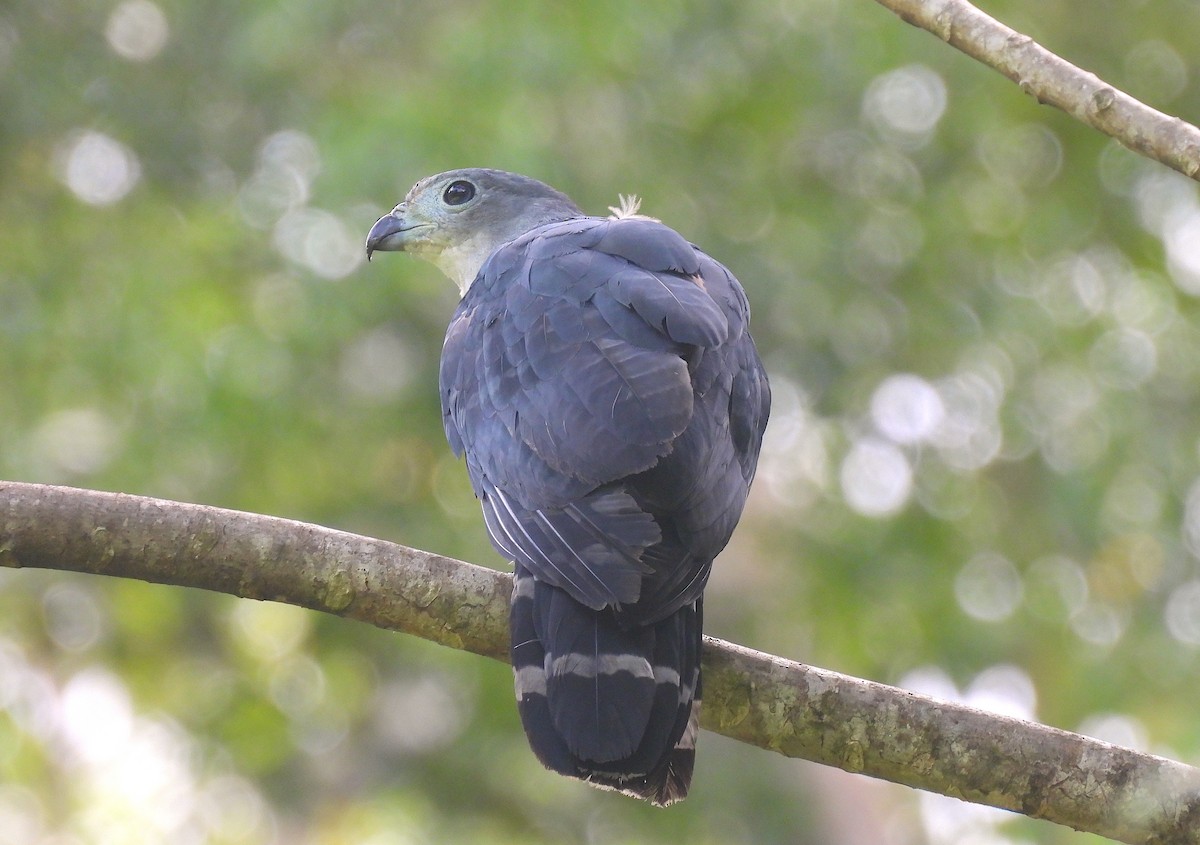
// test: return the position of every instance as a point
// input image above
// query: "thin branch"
(1053, 80)
(777, 704)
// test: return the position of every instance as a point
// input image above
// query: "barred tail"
(616, 708)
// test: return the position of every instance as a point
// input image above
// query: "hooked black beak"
(389, 234)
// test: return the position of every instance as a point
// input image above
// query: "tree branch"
(1053, 80)
(796, 710)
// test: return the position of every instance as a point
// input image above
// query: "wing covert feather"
(566, 373)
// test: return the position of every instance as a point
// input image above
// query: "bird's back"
(600, 380)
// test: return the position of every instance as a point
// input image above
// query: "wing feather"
(569, 374)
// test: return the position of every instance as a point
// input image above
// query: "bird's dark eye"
(457, 193)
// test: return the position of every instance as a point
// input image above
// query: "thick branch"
(1054, 80)
(796, 710)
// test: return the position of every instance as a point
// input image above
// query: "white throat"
(461, 262)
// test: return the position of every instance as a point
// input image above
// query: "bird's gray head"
(458, 218)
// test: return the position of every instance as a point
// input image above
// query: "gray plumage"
(600, 380)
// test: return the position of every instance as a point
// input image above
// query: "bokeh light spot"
(1191, 518)
(1134, 498)
(297, 685)
(1182, 240)
(1028, 155)
(1117, 728)
(1155, 70)
(232, 810)
(1183, 613)
(932, 681)
(906, 104)
(269, 631)
(77, 441)
(22, 816)
(1057, 587)
(1004, 689)
(418, 715)
(876, 478)
(137, 30)
(969, 436)
(1099, 624)
(377, 365)
(73, 617)
(320, 241)
(950, 821)
(97, 716)
(906, 408)
(988, 587)
(794, 466)
(1124, 358)
(288, 161)
(97, 168)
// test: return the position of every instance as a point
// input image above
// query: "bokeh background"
(980, 320)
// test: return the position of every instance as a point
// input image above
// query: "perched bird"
(600, 379)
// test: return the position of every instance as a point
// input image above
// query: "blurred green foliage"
(980, 318)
